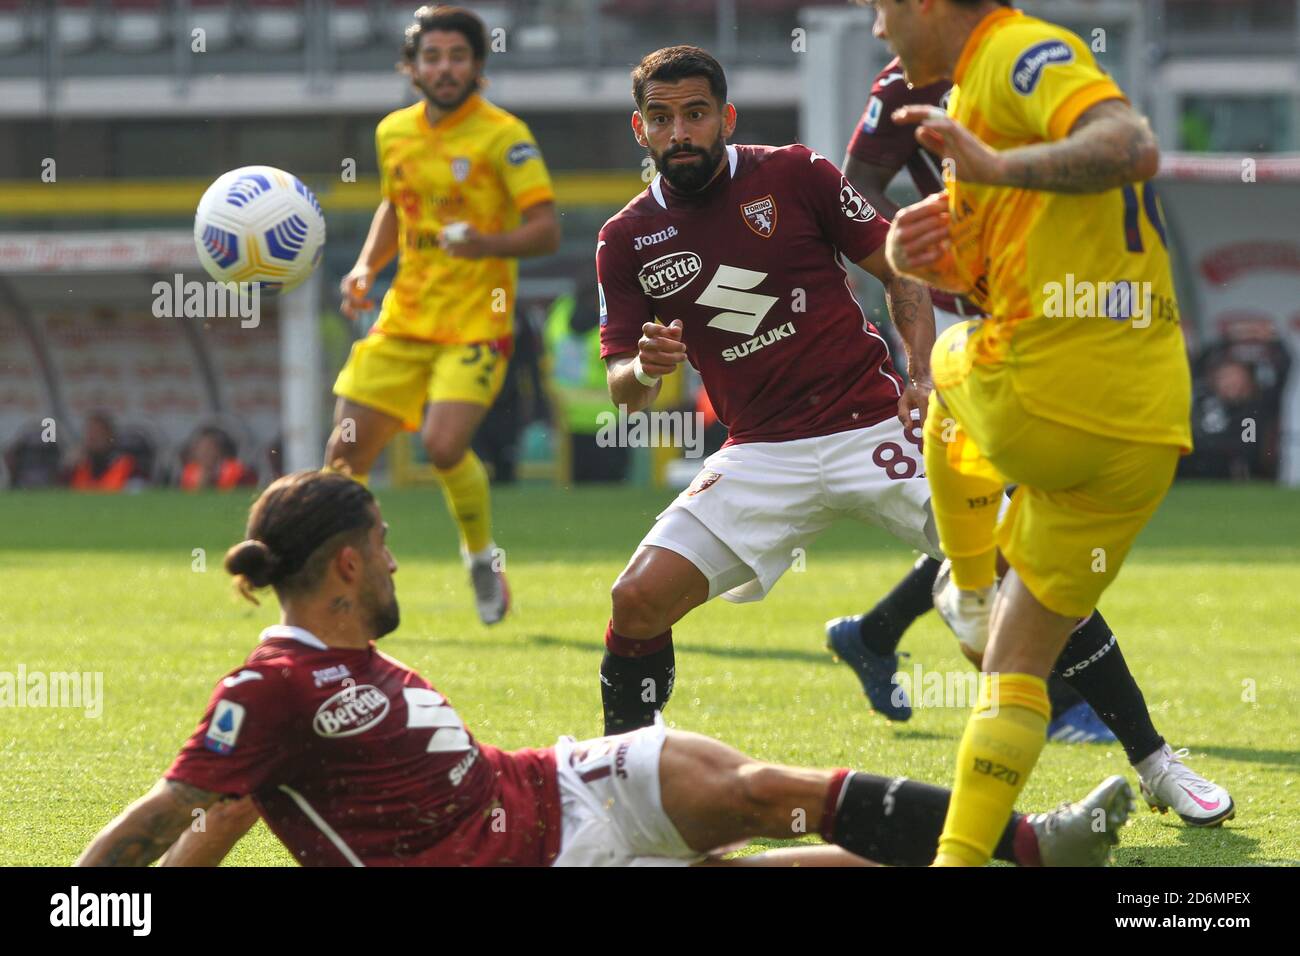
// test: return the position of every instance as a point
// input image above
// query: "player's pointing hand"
(661, 348)
(972, 160)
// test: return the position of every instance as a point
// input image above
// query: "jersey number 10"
(1151, 206)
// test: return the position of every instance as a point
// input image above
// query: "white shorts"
(612, 813)
(754, 506)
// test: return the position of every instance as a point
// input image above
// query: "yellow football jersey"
(479, 165)
(1078, 287)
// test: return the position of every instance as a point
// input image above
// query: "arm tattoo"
(1103, 151)
(152, 825)
(913, 315)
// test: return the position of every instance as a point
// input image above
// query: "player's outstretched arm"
(912, 313)
(1110, 145)
(145, 829)
(538, 234)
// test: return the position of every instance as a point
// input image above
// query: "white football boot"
(491, 591)
(965, 612)
(1169, 784)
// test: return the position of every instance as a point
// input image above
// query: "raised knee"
(636, 609)
(443, 455)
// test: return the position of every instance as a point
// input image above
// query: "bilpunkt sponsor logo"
(103, 909)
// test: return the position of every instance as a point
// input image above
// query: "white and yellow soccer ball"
(259, 224)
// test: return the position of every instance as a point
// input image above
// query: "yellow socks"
(465, 487)
(965, 495)
(1003, 739)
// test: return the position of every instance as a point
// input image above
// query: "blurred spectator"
(1237, 406)
(211, 461)
(578, 380)
(105, 464)
(31, 461)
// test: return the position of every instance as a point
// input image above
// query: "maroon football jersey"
(882, 142)
(354, 759)
(878, 140)
(750, 264)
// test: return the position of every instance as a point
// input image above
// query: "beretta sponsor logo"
(351, 711)
(662, 277)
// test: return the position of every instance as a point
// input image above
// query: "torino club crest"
(760, 215)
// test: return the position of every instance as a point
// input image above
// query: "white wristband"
(649, 381)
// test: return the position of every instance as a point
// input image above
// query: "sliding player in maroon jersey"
(352, 758)
(1093, 694)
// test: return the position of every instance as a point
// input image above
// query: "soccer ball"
(259, 224)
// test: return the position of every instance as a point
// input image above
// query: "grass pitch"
(1206, 610)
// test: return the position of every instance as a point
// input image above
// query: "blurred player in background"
(1093, 695)
(352, 758)
(465, 194)
(1086, 413)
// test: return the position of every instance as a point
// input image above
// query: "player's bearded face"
(445, 70)
(377, 596)
(689, 174)
(378, 601)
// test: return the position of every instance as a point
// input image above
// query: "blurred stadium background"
(116, 114)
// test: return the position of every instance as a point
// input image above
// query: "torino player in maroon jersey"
(736, 251)
(1094, 696)
(354, 759)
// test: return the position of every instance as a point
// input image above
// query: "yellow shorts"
(397, 376)
(1081, 498)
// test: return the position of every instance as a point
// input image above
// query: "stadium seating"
(75, 25)
(217, 20)
(15, 30)
(351, 25)
(136, 26)
(274, 25)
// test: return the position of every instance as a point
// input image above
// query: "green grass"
(1208, 602)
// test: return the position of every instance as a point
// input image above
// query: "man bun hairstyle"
(444, 17)
(295, 528)
(674, 63)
